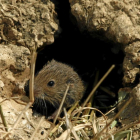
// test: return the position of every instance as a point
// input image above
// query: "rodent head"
(51, 83)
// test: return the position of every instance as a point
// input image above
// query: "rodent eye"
(51, 83)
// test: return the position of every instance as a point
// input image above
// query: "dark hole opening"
(86, 54)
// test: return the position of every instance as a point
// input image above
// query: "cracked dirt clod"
(14, 68)
(119, 20)
(21, 22)
(131, 62)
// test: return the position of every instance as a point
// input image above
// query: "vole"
(51, 82)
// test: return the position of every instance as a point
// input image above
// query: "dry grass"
(86, 127)
(79, 123)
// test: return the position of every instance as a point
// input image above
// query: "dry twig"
(107, 91)
(62, 102)
(98, 84)
(3, 118)
(42, 118)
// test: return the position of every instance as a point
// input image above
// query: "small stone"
(1, 84)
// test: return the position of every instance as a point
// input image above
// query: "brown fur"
(61, 74)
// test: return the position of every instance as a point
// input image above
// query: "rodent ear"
(51, 61)
(48, 62)
(70, 80)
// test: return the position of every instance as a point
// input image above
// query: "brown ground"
(25, 25)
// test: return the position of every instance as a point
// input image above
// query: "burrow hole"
(87, 55)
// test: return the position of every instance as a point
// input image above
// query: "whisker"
(44, 102)
(45, 108)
